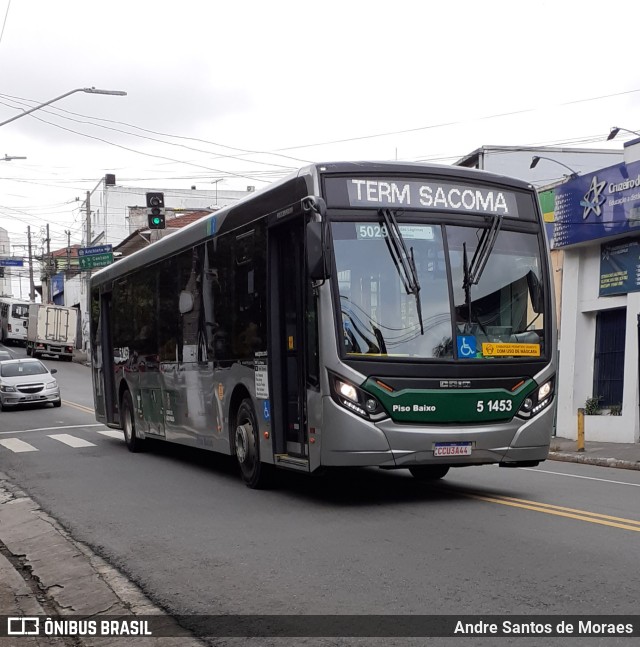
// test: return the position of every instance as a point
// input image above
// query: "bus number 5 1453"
(493, 405)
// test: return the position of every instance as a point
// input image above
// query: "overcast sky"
(249, 91)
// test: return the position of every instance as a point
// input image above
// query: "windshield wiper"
(404, 262)
(483, 250)
(473, 272)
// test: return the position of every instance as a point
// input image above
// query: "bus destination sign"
(424, 194)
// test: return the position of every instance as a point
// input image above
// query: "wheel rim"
(128, 425)
(244, 432)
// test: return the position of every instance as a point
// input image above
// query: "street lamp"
(119, 93)
(536, 158)
(615, 130)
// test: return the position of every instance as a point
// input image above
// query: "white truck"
(52, 330)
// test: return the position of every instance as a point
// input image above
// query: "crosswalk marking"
(112, 433)
(72, 441)
(28, 431)
(16, 445)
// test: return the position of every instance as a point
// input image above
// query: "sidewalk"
(620, 455)
(44, 572)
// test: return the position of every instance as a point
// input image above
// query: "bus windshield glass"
(20, 311)
(500, 314)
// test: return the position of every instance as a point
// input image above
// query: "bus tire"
(255, 474)
(429, 472)
(134, 444)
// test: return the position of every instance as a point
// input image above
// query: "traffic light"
(155, 210)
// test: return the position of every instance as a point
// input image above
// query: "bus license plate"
(452, 449)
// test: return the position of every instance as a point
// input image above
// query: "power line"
(455, 123)
(4, 23)
(55, 111)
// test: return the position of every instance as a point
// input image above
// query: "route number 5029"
(493, 405)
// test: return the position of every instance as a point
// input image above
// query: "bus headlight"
(537, 400)
(353, 398)
(347, 390)
(544, 391)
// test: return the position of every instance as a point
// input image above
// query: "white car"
(27, 381)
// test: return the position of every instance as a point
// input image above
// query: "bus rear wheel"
(255, 474)
(134, 444)
(429, 472)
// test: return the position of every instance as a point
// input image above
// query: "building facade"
(109, 206)
(598, 228)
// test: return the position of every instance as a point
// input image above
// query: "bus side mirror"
(535, 291)
(316, 258)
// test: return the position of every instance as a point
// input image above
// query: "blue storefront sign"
(620, 267)
(92, 251)
(57, 284)
(598, 205)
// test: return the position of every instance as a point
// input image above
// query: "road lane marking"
(112, 433)
(16, 445)
(26, 431)
(560, 511)
(80, 407)
(577, 476)
(72, 441)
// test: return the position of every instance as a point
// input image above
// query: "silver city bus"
(352, 314)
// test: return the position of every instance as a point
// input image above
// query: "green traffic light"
(156, 220)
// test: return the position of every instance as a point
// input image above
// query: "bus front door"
(286, 335)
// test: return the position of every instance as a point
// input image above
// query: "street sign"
(91, 251)
(11, 262)
(95, 260)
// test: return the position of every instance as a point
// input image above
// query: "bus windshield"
(20, 311)
(501, 315)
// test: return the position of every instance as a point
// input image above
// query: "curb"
(593, 460)
(45, 571)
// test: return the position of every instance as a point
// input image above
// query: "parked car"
(27, 381)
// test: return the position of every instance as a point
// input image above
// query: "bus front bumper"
(348, 440)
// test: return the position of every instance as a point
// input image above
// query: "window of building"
(608, 374)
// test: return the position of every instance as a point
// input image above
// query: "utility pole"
(32, 287)
(88, 272)
(49, 268)
(88, 211)
(68, 232)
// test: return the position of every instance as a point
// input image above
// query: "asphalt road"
(559, 539)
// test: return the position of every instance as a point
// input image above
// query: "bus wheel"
(255, 474)
(429, 472)
(134, 444)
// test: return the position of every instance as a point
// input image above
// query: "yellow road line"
(560, 511)
(80, 407)
(581, 512)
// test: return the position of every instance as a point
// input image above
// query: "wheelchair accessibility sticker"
(467, 346)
